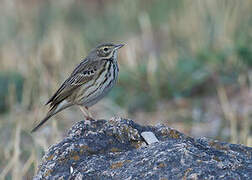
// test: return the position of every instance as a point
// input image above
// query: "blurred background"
(186, 64)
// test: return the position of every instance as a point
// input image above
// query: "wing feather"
(85, 71)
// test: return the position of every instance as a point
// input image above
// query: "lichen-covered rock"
(114, 149)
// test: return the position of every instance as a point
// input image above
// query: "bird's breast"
(92, 91)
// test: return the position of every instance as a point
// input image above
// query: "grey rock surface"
(114, 149)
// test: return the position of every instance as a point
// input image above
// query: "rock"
(114, 149)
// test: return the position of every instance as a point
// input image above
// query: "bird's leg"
(89, 113)
(86, 113)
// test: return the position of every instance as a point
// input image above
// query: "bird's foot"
(89, 118)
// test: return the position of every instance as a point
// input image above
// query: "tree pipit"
(90, 81)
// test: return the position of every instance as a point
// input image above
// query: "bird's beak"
(118, 46)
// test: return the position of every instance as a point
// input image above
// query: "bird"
(89, 82)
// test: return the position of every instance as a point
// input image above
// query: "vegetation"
(186, 64)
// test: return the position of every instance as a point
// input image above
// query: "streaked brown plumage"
(90, 81)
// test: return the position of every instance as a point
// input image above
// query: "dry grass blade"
(14, 163)
(228, 113)
(28, 163)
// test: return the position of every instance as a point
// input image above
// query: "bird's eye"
(105, 49)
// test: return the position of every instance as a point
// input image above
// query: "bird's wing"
(85, 71)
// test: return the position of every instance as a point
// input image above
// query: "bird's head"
(106, 51)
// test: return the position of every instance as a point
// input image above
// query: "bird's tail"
(54, 110)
